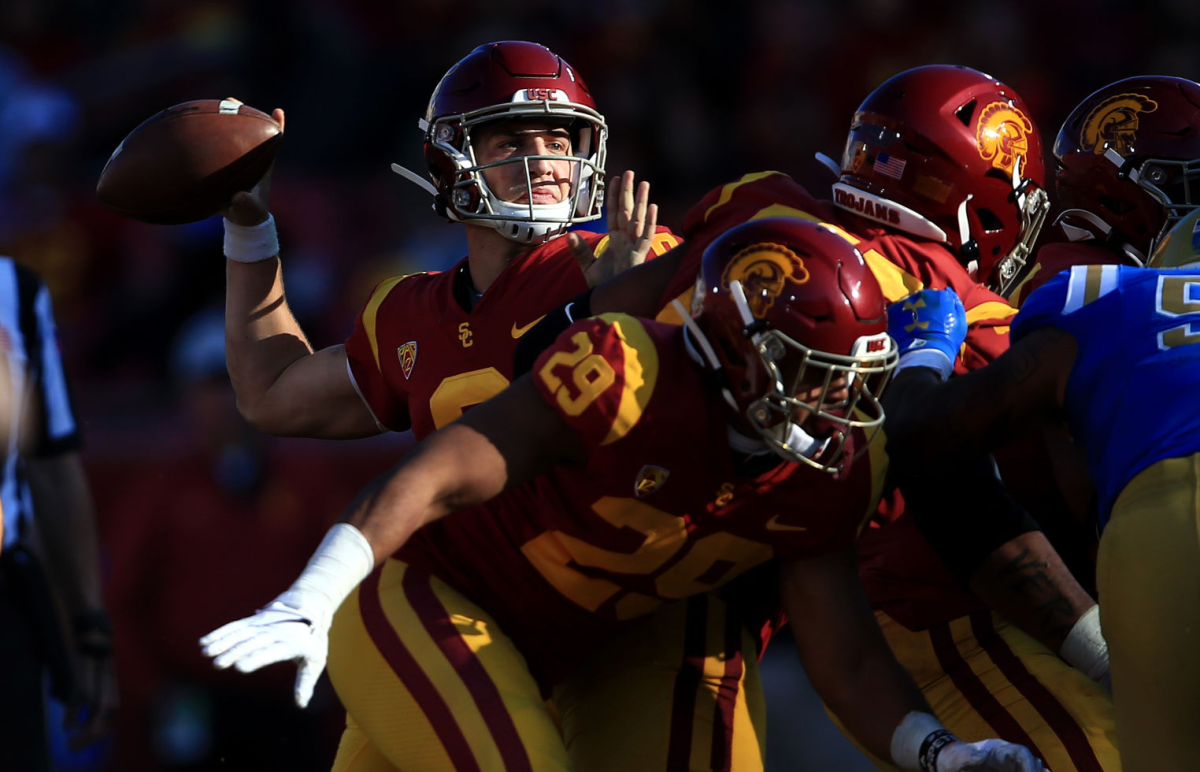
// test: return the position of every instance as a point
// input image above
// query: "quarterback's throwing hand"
(987, 756)
(294, 626)
(929, 321)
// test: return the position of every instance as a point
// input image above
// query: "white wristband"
(926, 357)
(251, 243)
(910, 735)
(343, 560)
(1086, 649)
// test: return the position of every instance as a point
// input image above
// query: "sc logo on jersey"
(1114, 123)
(762, 269)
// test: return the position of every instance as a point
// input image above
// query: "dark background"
(695, 94)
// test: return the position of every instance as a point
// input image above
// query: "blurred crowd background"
(202, 519)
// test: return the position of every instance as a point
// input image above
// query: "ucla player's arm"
(283, 387)
(928, 420)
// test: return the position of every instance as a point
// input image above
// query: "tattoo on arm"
(1028, 578)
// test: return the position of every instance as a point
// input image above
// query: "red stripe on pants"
(405, 666)
(1072, 736)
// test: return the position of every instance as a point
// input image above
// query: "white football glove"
(987, 756)
(294, 626)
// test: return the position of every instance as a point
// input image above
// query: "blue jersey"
(1131, 397)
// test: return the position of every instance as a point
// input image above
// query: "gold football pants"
(985, 678)
(1149, 581)
(430, 684)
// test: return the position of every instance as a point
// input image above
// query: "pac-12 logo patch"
(650, 479)
(1003, 135)
(408, 357)
(762, 269)
(1114, 123)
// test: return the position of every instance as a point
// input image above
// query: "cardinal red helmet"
(501, 81)
(950, 154)
(792, 316)
(1128, 161)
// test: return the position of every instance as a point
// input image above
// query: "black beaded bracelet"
(931, 746)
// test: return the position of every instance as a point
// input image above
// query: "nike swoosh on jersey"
(519, 331)
(774, 525)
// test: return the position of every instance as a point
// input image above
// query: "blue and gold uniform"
(1130, 401)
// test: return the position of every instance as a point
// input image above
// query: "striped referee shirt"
(38, 404)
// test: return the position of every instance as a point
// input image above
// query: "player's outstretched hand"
(987, 756)
(927, 321)
(632, 223)
(294, 626)
(250, 207)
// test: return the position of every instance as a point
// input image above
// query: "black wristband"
(931, 746)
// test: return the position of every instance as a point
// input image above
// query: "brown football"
(184, 164)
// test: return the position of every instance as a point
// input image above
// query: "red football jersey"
(902, 574)
(419, 359)
(661, 509)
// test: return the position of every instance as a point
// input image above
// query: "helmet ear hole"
(964, 113)
(988, 219)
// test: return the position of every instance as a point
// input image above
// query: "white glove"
(294, 626)
(987, 756)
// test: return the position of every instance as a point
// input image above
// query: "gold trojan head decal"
(762, 270)
(1114, 123)
(1003, 135)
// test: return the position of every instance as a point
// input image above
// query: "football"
(185, 163)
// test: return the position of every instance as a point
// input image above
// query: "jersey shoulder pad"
(599, 375)
(365, 337)
(1066, 296)
(750, 197)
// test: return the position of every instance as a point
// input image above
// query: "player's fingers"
(277, 114)
(627, 199)
(235, 100)
(614, 202)
(306, 680)
(240, 647)
(212, 643)
(651, 228)
(276, 651)
(641, 200)
(581, 251)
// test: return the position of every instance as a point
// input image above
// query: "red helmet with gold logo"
(791, 316)
(949, 154)
(1128, 161)
(505, 81)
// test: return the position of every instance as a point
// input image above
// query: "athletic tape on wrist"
(251, 243)
(343, 560)
(1085, 647)
(911, 737)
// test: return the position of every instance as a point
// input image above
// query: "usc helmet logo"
(1003, 135)
(762, 269)
(1114, 123)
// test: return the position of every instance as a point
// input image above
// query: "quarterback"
(515, 149)
(600, 469)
